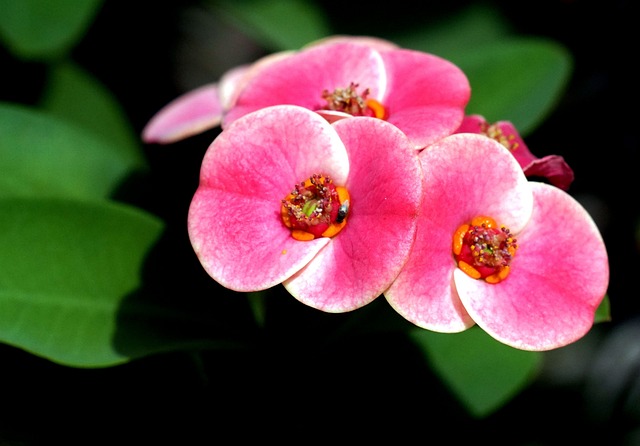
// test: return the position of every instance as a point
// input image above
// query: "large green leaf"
(41, 155)
(278, 25)
(65, 267)
(519, 79)
(45, 29)
(447, 35)
(481, 372)
(74, 95)
(69, 274)
(512, 78)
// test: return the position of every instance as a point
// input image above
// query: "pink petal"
(373, 42)
(385, 191)
(472, 124)
(553, 167)
(461, 182)
(558, 278)
(234, 219)
(234, 80)
(426, 95)
(300, 79)
(187, 115)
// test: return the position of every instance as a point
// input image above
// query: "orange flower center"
(315, 208)
(348, 100)
(484, 250)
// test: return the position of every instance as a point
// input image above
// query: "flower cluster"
(348, 170)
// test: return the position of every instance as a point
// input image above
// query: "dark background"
(145, 53)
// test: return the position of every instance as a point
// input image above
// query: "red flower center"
(483, 250)
(348, 100)
(315, 208)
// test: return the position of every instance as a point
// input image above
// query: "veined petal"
(234, 80)
(234, 219)
(426, 124)
(465, 175)
(558, 278)
(385, 189)
(301, 78)
(418, 80)
(192, 113)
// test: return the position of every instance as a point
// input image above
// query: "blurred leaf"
(603, 313)
(445, 36)
(45, 29)
(74, 95)
(519, 80)
(65, 266)
(41, 155)
(483, 373)
(277, 25)
(512, 78)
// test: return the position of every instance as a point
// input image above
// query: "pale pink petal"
(333, 115)
(385, 190)
(234, 80)
(552, 167)
(455, 192)
(373, 42)
(230, 84)
(192, 113)
(418, 80)
(300, 79)
(558, 278)
(234, 219)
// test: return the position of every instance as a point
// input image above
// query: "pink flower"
(201, 109)
(420, 93)
(552, 167)
(521, 259)
(339, 76)
(286, 197)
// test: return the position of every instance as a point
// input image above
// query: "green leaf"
(481, 372)
(74, 95)
(519, 80)
(45, 29)
(277, 25)
(65, 267)
(603, 313)
(446, 35)
(42, 155)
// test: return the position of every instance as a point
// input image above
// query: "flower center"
(348, 100)
(494, 132)
(483, 250)
(315, 208)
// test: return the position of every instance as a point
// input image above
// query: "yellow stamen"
(377, 107)
(487, 221)
(458, 239)
(469, 270)
(301, 235)
(284, 213)
(343, 194)
(334, 229)
(499, 276)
